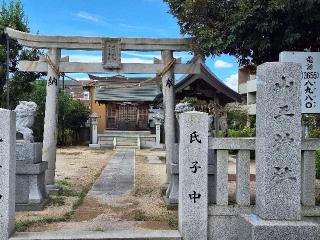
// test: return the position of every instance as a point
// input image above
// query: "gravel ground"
(143, 208)
(76, 166)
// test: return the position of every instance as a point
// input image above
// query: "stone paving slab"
(117, 178)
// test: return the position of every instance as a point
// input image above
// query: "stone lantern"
(94, 130)
(158, 119)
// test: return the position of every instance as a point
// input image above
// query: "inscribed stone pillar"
(7, 172)
(169, 104)
(50, 120)
(193, 176)
(158, 134)
(94, 130)
(94, 133)
(278, 144)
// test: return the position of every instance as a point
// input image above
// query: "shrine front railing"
(241, 147)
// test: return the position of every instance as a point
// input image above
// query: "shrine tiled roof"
(226, 94)
(123, 89)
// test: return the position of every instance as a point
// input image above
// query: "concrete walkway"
(117, 178)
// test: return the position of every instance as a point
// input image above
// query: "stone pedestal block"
(31, 191)
(29, 152)
(7, 172)
(278, 146)
(255, 228)
(193, 176)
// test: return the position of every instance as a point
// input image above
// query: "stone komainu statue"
(25, 112)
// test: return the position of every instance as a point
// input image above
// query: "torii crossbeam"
(97, 43)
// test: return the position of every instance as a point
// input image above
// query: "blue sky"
(121, 18)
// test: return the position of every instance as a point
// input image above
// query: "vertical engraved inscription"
(111, 57)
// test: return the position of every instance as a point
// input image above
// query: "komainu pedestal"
(31, 191)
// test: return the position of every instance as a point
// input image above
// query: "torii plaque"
(111, 58)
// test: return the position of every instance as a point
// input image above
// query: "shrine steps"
(126, 139)
(95, 235)
(126, 133)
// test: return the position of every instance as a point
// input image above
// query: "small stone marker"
(278, 144)
(153, 159)
(158, 132)
(193, 176)
(94, 130)
(7, 172)
(310, 84)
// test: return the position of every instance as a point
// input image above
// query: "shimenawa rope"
(160, 74)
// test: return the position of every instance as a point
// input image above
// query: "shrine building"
(129, 104)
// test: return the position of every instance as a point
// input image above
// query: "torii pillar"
(51, 117)
(169, 105)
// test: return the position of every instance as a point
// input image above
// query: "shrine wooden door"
(127, 117)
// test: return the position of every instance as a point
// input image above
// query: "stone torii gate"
(111, 63)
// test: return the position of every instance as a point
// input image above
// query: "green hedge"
(245, 132)
(315, 133)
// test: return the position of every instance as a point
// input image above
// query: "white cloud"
(88, 16)
(101, 20)
(232, 81)
(222, 64)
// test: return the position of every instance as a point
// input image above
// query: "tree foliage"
(12, 15)
(252, 30)
(72, 113)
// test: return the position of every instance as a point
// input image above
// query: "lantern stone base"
(94, 146)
